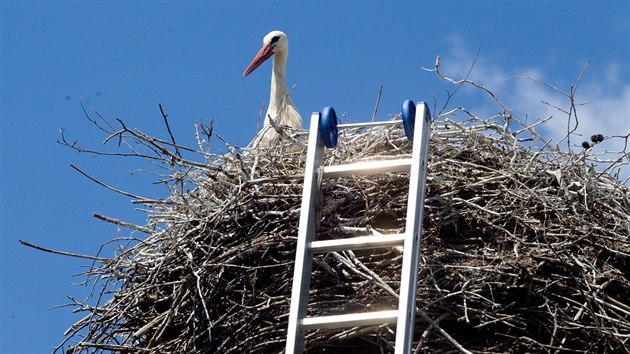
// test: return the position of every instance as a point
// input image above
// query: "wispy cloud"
(602, 98)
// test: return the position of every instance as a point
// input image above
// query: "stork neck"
(278, 80)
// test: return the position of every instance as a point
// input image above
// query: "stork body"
(281, 107)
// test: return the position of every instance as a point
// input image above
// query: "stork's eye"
(274, 39)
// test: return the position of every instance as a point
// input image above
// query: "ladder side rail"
(306, 235)
(413, 229)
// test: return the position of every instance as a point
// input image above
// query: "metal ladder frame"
(314, 173)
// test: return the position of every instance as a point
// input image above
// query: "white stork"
(281, 107)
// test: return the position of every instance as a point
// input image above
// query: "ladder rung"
(367, 168)
(368, 124)
(357, 243)
(350, 320)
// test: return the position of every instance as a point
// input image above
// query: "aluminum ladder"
(323, 133)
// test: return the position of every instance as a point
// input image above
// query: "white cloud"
(603, 98)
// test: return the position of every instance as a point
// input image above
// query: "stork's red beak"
(265, 53)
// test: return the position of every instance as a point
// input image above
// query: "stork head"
(274, 42)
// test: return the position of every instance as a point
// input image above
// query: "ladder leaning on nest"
(323, 133)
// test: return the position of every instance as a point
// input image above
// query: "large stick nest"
(525, 246)
(523, 249)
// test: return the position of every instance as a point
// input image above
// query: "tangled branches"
(524, 248)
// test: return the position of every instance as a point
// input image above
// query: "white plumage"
(281, 108)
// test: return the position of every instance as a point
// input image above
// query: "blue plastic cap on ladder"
(408, 113)
(328, 127)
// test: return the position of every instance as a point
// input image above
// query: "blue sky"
(123, 58)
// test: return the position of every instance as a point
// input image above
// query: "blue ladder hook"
(328, 127)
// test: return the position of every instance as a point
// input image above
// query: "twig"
(378, 100)
(63, 253)
(122, 223)
(109, 187)
(168, 128)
